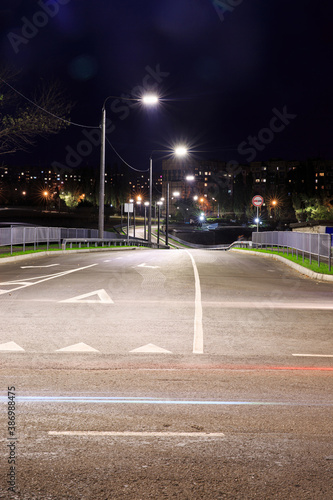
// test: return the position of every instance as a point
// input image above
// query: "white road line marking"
(198, 330)
(45, 278)
(38, 267)
(137, 434)
(80, 347)
(103, 298)
(11, 346)
(151, 348)
(314, 355)
(271, 305)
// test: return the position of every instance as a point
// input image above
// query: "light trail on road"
(152, 401)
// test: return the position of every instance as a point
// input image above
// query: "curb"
(18, 258)
(297, 267)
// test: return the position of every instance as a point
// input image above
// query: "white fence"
(316, 245)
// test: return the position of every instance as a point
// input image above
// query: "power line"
(45, 110)
(122, 159)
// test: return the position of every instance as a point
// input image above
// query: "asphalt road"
(165, 374)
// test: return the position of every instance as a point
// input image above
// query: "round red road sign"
(257, 200)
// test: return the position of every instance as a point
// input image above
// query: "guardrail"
(22, 236)
(311, 244)
(137, 242)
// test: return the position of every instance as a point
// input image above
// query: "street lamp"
(148, 100)
(145, 223)
(159, 203)
(178, 151)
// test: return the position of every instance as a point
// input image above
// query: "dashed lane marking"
(314, 355)
(138, 434)
(39, 267)
(148, 267)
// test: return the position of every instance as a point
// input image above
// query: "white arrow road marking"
(103, 298)
(38, 267)
(137, 434)
(10, 346)
(28, 282)
(80, 347)
(151, 348)
(148, 267)
(198, 330)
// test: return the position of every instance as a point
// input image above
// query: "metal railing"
(311, 245)
(23, 236)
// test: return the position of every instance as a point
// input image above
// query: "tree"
(23, 120)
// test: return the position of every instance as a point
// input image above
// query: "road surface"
(165, 374)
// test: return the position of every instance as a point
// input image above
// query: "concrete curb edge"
(297, 267)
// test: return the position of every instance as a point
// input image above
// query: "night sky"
(224, 70)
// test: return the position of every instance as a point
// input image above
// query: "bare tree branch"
(22, 122)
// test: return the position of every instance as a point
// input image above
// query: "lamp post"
(159, 203)
(178, 151)
(145, 223)
(167, 217)
(148, 100)
(150, 195)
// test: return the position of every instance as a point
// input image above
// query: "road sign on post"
(257, 201)
(129, 207)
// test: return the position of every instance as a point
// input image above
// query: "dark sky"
(225, 71)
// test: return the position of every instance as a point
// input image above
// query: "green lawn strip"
(55, 249)
(322, 269)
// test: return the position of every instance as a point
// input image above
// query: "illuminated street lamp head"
(190, 177)
(274, 202)
(149, 99)
(181, 151)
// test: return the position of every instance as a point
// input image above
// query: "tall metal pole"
(128, 212)
(150, 196)
(102, 177)
(145, 224)
(134, 220)
(158, 227)
(167, 217)
(257, 219)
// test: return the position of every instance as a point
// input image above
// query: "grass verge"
(313, 266)
(52, 248)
